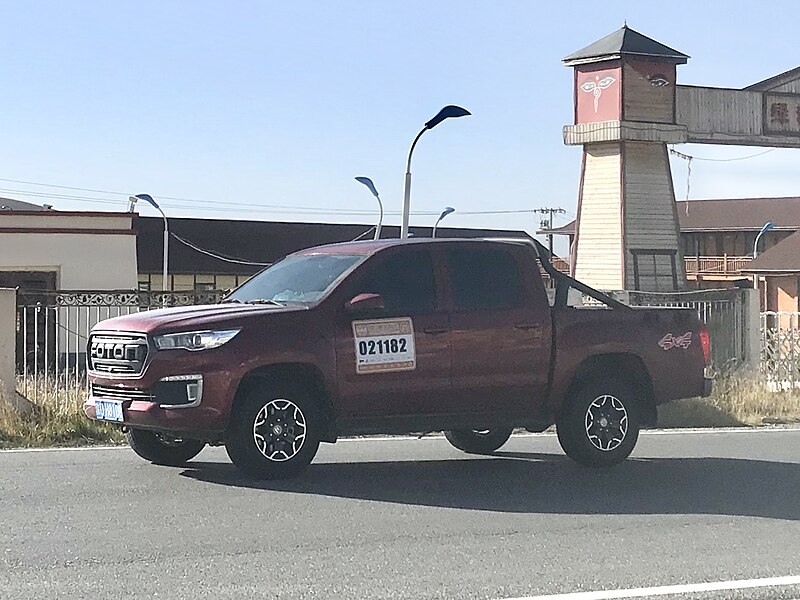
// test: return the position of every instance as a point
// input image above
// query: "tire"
(275, 431)
(473, 441)
(161, 450)
(599, 426)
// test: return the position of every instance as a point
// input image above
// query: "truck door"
(500, 328)
(395, 361)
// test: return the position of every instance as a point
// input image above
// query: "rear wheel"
(275, 431)
(161, 449)
(599, 427)
(475, 441)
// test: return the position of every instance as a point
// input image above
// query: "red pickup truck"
(393, 336)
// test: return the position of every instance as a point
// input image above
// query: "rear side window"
(484, 278)
(406, 281)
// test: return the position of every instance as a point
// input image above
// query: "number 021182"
(384, 345)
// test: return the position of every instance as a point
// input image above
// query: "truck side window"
(484, 278)
(406, 281)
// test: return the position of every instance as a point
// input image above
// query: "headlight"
(195, 340)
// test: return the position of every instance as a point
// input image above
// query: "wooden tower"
(627, 233)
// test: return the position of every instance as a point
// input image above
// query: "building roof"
(775, 81)
(741, 214)
(10, 204)
(625, 42)
(250, 245)
(783, 257)
(738, 214)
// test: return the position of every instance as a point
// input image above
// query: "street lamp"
(767, 226)
(149, 199)
(445, 212)
(447, 112)
(371, 186)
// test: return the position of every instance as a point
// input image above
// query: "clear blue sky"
(278, 105)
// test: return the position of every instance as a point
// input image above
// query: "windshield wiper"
(264, 301)
(231, 301)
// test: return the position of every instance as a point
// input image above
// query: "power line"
(690, 157)
(229, 259)
(225, 206)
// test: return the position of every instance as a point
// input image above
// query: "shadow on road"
(544, 483)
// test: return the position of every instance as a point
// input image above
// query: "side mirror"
(364, 303)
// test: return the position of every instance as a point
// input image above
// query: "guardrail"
(716, 265)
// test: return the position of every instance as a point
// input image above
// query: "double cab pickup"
(393, 336)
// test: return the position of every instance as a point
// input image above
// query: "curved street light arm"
(407, 187)
(380, 220)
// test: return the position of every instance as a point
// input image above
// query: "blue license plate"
(108, 410)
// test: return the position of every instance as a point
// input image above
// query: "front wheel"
(599, 426)
(275, 431)
(474, 441)
(162, 449)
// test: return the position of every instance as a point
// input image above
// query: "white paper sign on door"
(384, 345)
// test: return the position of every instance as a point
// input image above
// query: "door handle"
(527, 326)
(435, 330)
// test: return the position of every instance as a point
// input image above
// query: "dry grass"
(57, 420)
(736, 400)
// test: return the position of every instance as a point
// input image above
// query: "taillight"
(705, 343)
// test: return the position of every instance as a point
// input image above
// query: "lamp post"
(149, 199)
(445, 212)
(371, 186)
(767, 226)
(447, 112)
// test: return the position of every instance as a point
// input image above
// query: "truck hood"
(192, 317)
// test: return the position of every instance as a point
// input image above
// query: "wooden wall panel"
(648, 92)
(599, 245)
(649, 213)
(712, 110)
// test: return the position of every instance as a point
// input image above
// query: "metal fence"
(53, 330)
(725, 313)
(780, 349)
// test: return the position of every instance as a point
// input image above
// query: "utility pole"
(549, 222)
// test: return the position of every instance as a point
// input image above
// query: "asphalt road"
(402, 519)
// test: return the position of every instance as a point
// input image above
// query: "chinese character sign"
(782, 114)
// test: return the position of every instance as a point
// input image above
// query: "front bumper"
(179, 393)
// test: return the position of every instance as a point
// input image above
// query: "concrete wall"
(93, 251)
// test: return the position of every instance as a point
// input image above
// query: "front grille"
(107, 392)
(117, 353)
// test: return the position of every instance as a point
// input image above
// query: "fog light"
(180, 391)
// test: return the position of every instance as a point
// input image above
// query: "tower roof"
(625, 42)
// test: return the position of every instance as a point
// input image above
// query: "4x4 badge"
(669, 341)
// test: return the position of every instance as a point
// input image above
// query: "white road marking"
(692, 588)
(695, 430)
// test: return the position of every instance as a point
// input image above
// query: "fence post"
(8, 349)
(751, 334)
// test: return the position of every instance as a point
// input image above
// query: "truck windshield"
(305, 278)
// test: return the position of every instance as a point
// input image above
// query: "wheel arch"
(626, 365)
(293, 373)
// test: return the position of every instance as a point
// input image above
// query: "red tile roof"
(738, 214)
